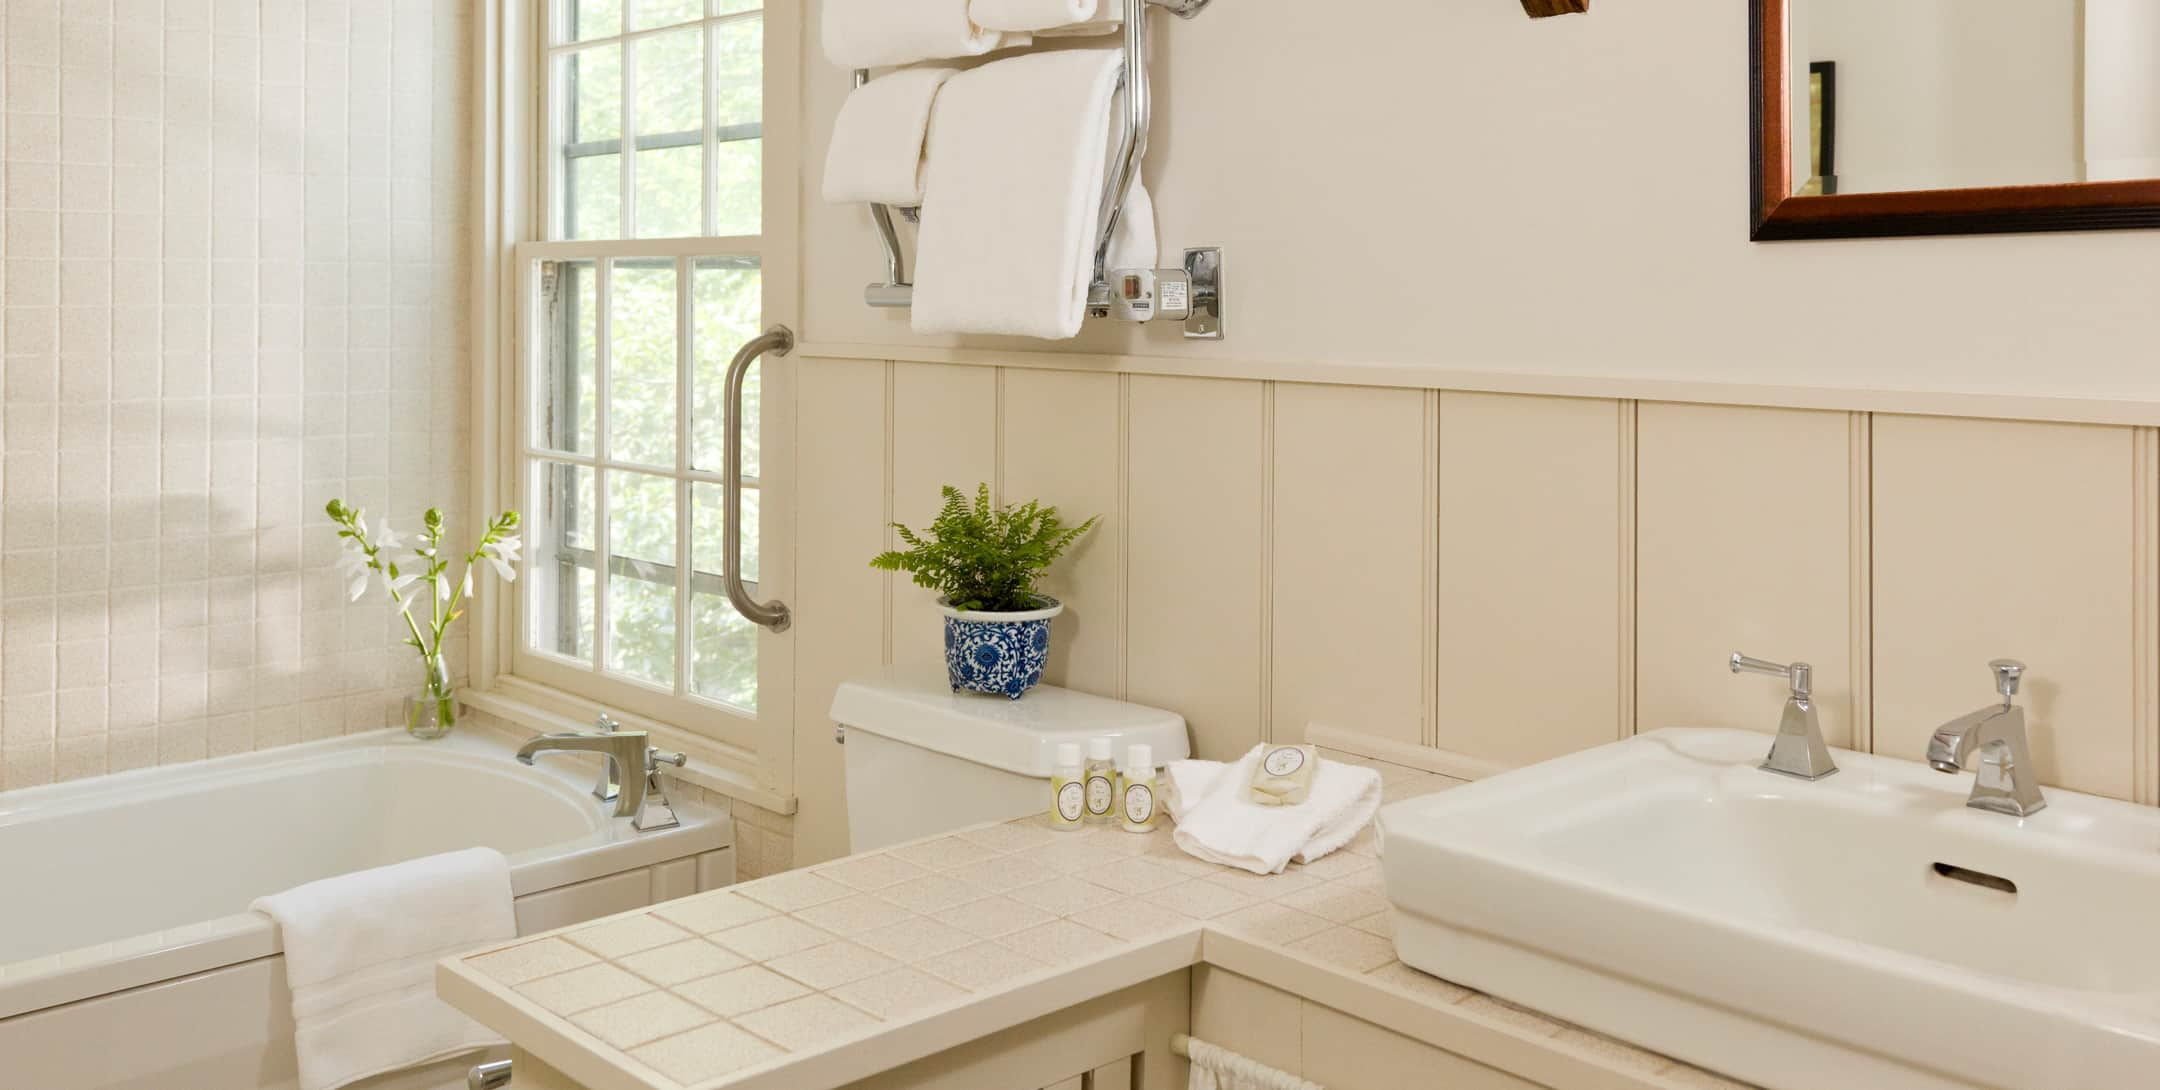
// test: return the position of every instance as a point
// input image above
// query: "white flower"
(442, 587)
(388, 538)
(502, 555)
(397, 585)
(465, 591)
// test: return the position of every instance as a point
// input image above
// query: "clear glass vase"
(433, 713)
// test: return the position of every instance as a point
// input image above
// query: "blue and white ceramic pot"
(998, 653)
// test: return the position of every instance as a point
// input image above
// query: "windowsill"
(720, 769)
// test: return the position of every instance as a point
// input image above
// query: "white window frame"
(748, 756)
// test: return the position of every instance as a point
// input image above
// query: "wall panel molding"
(2145, 617)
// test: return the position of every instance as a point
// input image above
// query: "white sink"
(1797, 935)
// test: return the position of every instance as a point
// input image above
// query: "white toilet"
(922, 759)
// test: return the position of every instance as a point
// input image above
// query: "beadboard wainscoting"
(1473, 581)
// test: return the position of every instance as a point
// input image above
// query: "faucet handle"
(1799, 675)
(2008, 672)
(655, 757)
(606, 724)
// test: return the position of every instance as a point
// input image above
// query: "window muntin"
(655, 113)
(660, 131)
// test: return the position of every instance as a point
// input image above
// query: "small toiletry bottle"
(1136, 789)
(1101, 783)
(1068, 791)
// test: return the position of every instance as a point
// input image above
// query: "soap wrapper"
(1283, 775)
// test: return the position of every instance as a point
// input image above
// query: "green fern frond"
(981, 555)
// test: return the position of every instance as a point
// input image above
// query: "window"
(648, 279)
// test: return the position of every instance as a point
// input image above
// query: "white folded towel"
(1218, 821)
(1011, 192)
(876, 154)
(360, 954)
(1043, 15)
(883, 33)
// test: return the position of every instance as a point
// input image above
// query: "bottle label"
(1284, 761)
(1139, 804)
(1099, 795)
(1069, 801)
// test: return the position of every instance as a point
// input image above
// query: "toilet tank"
(922, 759)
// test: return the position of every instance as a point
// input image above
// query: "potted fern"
(983, 560)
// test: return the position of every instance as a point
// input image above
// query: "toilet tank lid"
(1019, 736)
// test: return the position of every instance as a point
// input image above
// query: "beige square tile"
(1341, 901)
(1067, 895)
(583, 989)
(1202, 899)
(626, 935)
(1346, 948)
(831, 965)
(647, 1017)
(982, 966)
(1075, 854)
(740, 990)
(1115, 840)
(1274, 924)
(868, 872)
(1366, 843)
(710, 912)
(704, 1053)
(900, 992)
(914, 939)
(853, 915)
(943, 853)
(531, 960)
(1425, 986)
(680, 961)
(1132, 874)
(801, 1025)
(1613, 1053)
(1133, 919)
(1379, 923)
(1013, 836)
(1009, 872)
(1262, 887)
(1415, 786)
(933, 893)
(794, 890)
(769, 939)
(1166, 853)
(1060, 942)
(994, 916)
(1509, 1014)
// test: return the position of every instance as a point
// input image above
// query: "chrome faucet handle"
(1799, 750)
(656, 799)
(2008, 673)
(1799, 675)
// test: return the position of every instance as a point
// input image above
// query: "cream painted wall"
(1477, 579)
(1454, 183)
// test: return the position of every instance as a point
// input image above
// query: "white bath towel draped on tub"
(360, 954)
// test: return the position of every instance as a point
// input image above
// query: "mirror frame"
(1775, 213)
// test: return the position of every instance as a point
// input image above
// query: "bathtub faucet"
(627, 761)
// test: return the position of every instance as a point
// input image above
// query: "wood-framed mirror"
(1875, 118)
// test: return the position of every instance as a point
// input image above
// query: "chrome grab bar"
(779, 340)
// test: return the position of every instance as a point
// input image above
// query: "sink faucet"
(2005, 781)
(1798, 750)
(630, 772)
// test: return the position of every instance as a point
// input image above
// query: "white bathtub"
(128, 956)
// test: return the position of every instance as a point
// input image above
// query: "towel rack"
(1191, 294)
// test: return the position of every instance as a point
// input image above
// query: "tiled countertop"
(818, 977)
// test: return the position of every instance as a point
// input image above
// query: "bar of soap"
(1283, 776)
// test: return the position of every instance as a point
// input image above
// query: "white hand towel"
(360, 954)
(1217, 1068)
(1218, 821)
(883, 33)
(1011, 191)
(876, 154)
(1042, 15)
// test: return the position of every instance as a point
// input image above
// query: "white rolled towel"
(876, 154)
(1043, 15)
(884, 33)
(1218, 821)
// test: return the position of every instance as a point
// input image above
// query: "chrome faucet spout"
(623, 754)
(2005, 781)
